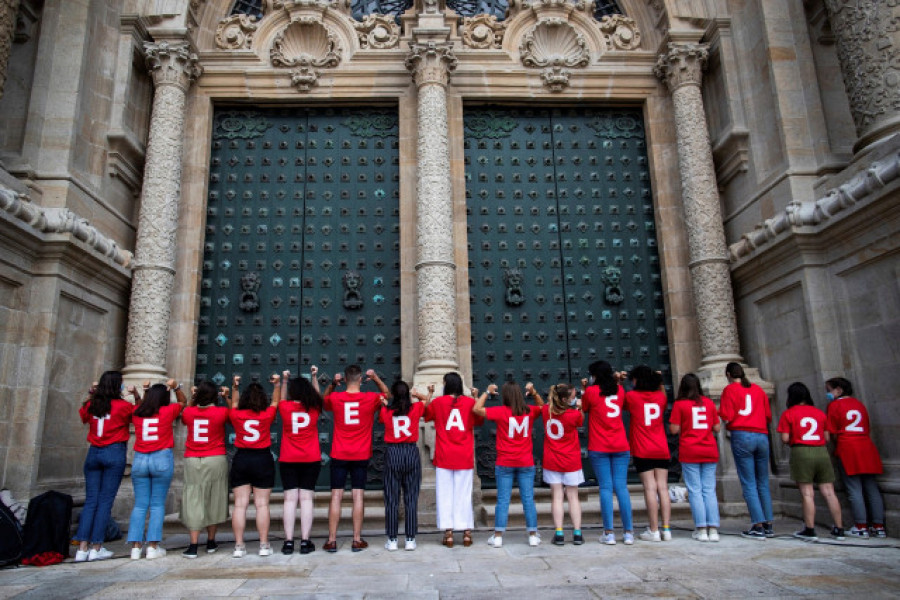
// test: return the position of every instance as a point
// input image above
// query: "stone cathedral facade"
(512, 190)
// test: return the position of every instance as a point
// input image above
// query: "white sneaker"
(701, 536)
(136, 553)
(157, 552)
(495, 541)
(666, 535)
(713, 534)
(410, 545)
(239, 551)
(534, 539)
(628, 538)
(390, 545)
(650, 536)
(101, 554)
(82, 555)
(608, 538)
(265, 550)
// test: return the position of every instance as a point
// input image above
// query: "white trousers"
(453, 489)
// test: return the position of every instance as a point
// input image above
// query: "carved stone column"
(173, 68)
(8, 11)
(681, 69)
(431, 64)
(868, 48)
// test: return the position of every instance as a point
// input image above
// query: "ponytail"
(559, 398)
(736, 371)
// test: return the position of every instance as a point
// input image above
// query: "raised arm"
(314, 379)
(285, 378)
(530, 391)
(371, 374)
(173, 385)
(478, 409)
(226, 395)
(335, 381)
(422, 397)
(275, 380)
(235, 392)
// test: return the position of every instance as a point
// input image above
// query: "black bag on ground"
(10, 538)
(48, 525)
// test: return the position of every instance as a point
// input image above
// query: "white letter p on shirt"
(651, 411)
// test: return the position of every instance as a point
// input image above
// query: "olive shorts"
(811, 464)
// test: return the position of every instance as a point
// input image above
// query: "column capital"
(172, 64)
(431, 62)
(682, 64)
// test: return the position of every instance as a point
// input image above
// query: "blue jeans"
(151, 475)
(103, 469)
(700, 479)
(751, 458)
(524, 476)
(611, 469)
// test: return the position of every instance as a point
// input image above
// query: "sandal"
(467, 538)
(448, 538)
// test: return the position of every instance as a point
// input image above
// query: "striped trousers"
(402, 469)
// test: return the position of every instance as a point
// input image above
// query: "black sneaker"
(769, 530)
(191, 551)
(838, 533)
(306, 547)
(211, 546)
(578, 539)
(559, 539)
(287, 547)
(754, 533)
(807, 534)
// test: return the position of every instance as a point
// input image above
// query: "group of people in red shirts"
(744, 407)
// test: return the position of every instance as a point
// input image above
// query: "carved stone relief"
(377, 32)
(620, 33)
(554, 46)
(308, 45)
(483, 31)
(236, 32)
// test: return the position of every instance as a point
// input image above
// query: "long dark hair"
(603, 375)
(645, 379)
(736, 371)
(156, 396)
(301, 390)
(690, 389)
(253, 398)
(798, 394)
(400, 398)
(108, 389)
(453, 385)
(205, 394)
(512, 397)
(840, 382)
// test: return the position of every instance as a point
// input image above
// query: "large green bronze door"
(563, 263)
(301, 257)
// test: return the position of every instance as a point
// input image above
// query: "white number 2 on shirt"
(857, 417)
(811, 435)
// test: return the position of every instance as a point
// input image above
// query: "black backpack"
(11, 538)
(48, 525)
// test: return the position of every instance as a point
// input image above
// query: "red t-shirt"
(562, 450)
(155, 433)
(402, 429)
(745, 409)
(299, 433)
(848, 421)
(648, 434)
(252, 429)
(514, 444)
(110, 429)
(354, 416)
(454, 431)
(805, 424)
(205, 430)
(696, 441)
(606, 430)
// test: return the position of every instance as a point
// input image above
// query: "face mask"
(829, 396)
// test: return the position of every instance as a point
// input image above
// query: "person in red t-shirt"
(608, 450)
(695, 421)
(848, 423)
(351, 448)
(454, 458)
(402, 464)
(515, 462)
(204, 500)
(108, 417)
(802, 426)
(301, 458)
(253, 466)
(646, 404)
(151, 472)
(562, 456)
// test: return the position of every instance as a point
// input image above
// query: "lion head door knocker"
(352, 290)
(249, 288)
(513, 280)
(612, 277)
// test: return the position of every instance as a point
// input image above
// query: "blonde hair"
(559, 398)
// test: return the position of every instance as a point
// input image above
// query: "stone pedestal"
(173, 68)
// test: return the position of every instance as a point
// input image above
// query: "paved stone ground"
(734, 568)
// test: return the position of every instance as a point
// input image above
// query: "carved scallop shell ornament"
(554, 46)
(308, 45)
